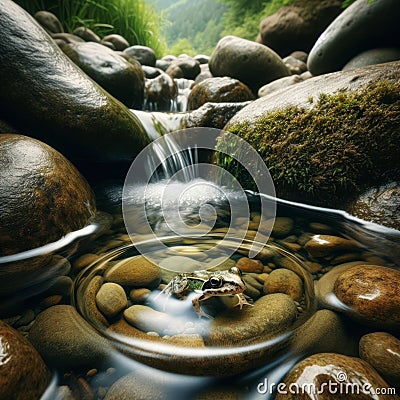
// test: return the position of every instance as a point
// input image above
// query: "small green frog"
(208, 284)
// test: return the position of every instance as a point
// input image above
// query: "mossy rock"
(45, 95)
(327, 139)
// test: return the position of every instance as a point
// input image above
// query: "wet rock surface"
(60, 105)
(271, 314)
(23, 374)
(350, 34)
(218, 90)
(372, 294)
(382, 351)
(122, 79)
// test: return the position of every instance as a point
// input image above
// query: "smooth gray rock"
(362, 26)
(252, 63)
(121, 78)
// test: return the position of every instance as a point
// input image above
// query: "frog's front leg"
(197, 307)
(242, 301)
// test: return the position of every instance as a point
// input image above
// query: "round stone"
(246, 264)
(134, 271)
(324, 245)
(252, 63)
(218, 90)
(280, 226)
(111, 299)
(42, 184)
(382, 351)
(371, 294)
(325, 370)
(284, 281)
(23, 374)
(42, 199)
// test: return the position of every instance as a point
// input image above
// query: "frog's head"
(223, 283)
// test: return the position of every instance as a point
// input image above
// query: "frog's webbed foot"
(242, 301)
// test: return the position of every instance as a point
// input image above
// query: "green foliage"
(133, 19)
(182, 46)
(198, 21)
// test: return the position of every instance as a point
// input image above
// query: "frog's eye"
(235, 270)
(215, 282)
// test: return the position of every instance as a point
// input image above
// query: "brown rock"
(284, 281)
(134, 271)
(111, 299)
(43, 198)
(324, 245)
(137, 386)
(298, 27)
(59, 104)
(373, 294)
(218, 90)
(382, 351)
(43, 184)
(332, 369)
(246, 264)
(23, 374)
(65, 340)
(49, 22)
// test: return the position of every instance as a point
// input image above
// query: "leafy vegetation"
(134, 19)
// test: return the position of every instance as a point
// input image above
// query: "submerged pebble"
(325, 245)
(111, 299)
(284, 281)
(134, 271)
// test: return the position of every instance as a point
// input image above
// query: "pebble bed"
(120, 299)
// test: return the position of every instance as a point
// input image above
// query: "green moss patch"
(343, 144)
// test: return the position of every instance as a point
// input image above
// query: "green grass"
(133, 19)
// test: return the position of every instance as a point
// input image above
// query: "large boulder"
(298, 26)
(362, 26)
(45, 95)
(329, 138)
(121, 78)
(42, 198)
(251, 63)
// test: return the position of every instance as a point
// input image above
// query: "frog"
(208, 284)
